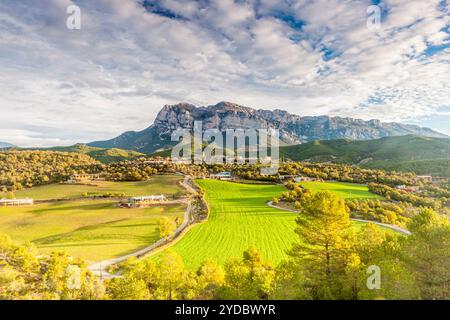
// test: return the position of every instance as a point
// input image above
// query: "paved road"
(100, 268)
(187, 185)
(390, 226)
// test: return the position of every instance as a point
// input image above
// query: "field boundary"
(100, 268)
(183, 232)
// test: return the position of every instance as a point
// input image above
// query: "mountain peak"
(293, 129)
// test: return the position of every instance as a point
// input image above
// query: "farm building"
(158, 160)
(407, 188)
(76, 178)
(426, 178)
(145, 200)
(303, 179)
(16, 202)
(221, 176)
(284, 177)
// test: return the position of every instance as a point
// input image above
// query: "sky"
(60, 86)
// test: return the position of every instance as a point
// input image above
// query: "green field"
(93, 230)
(239, 217)
(90, 229)
(342, 189)
(159, 184)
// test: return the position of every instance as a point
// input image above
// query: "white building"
(221, 176)
(16, 202)
(426, 178)
(145, 200)
(303, 179)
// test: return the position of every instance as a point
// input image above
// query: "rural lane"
(100, 268)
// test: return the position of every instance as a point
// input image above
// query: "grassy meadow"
(93, 230)
(239, 217)
(342, 189)
(90, 229)
(158, 184)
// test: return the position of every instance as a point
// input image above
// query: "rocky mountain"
(4, 145)
(294, 129)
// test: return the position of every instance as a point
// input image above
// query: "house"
(284, 177)
(303, 179)
(16, 202)
(408, 188)
(136, 202)
(426, 178)
(221, 176)
(437, 180)
(158, 160)
(84, 177)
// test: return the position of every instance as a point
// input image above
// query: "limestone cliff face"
(225, 115)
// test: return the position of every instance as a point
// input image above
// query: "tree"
(166, 227)
(368, 242)
(247, 278)
(427, 253)
(396, 282)
(128, 288)
(24, 276)
(325, 242)
(210, 278)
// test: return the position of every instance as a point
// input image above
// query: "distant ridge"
(4, 145)
(422, 155)
(99, 154)
(293, 129)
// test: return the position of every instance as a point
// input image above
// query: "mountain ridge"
(294, 129)
(410, 153)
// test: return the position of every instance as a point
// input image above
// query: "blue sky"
(130, 57)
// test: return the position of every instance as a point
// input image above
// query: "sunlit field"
(239, 217)
(342, 189)
(158, 184)
(86, 228)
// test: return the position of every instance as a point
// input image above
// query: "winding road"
(100, 268)
(389, 226)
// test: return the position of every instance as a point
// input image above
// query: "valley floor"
(91, 229)
(240, 217)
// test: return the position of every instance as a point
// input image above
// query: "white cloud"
(126, 62)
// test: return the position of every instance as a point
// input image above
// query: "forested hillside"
(103, 155)
(19, 169)
(422, 155)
